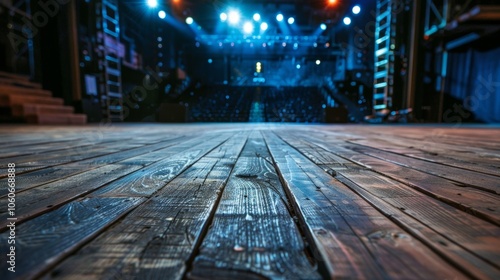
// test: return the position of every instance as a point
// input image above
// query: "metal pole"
(73, 51)
(413, 59)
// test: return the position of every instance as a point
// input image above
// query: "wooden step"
(34, 109)
(11, 89)
(16, 82)
(13, 76)
(57, 119)
(9, 100)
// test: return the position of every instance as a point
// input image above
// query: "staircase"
(24, 101)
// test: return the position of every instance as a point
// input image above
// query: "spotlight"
(323, 26)
(223, 16)
(332, 2)
(279, 17)
(263, 26)
(162, 14)
(234, 17)
(256, 17)
(248, 27)
(152, 3)
(189, 20)
(318, 62)
(298, 66)
(347, 20)
(291, 20)
(356, 9)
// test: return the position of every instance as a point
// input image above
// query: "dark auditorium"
(250, 139)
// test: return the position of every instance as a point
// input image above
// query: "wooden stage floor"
(251, 201)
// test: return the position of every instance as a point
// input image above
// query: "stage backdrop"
(474, 78)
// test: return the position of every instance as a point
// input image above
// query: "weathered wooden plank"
(457, 160)
(42, 242)
(252, 233)
(467, 262)
(470, 200)
(50, 174)
(481, 204)
(148, 180)
(353, 240)
(468, 178)
(39, 200)
(465, 177)
(70, 152)
(158, 238)
(455, 235)
(428, 140)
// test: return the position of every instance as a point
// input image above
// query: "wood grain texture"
(156, 201)
(49, 174)
(159, 237)
(45, 240)
(353, 240)
(466, 247)
(40, 200)
(443, 157)
(471, 200)
(252, 234)
(147, 181)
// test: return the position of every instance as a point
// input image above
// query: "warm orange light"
(331, 2)
(176, 1)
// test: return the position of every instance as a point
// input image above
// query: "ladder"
(383, 79)
(110, 63)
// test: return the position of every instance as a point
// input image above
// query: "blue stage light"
(234, 17)
(152, 3)
(356, 9)
(223, 16)
(263, 26)
(248, 27)
(162, 14)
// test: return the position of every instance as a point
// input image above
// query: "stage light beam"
(323, 26)
(347, 20)
(189, 20)
(162, 14)
(152, 3)
(264, 26)
(279, 17)
(248, 27)
(356, 9)
(256, 17)
(291, 20)
(331, 2)
(223, 16)
(234, 17)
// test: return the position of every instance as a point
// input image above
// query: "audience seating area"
(219, 104)
(294, 104)
(224, 103)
